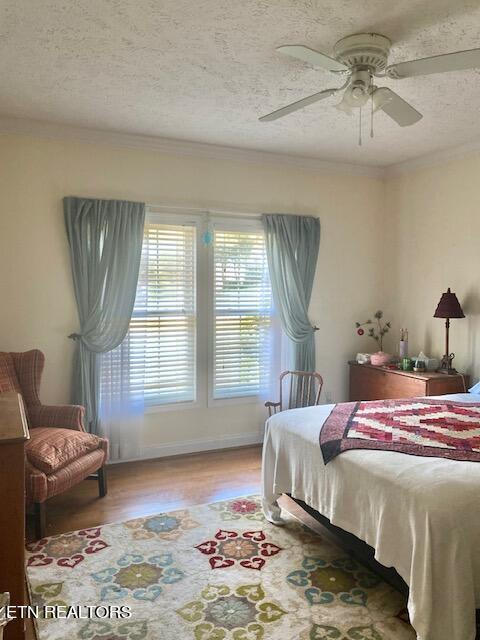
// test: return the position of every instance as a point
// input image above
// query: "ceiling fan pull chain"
(371, 117)
(360, 128)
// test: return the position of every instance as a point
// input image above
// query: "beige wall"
(38, 308)
(433, 242)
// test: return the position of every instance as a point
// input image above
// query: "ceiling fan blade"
(300, 104)
(395, 107)
(311, 56)
(436, 64)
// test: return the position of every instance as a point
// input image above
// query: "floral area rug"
(213, 572)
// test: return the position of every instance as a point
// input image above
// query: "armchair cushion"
(50, 449)
(41, 487)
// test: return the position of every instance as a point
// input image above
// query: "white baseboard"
(195, 446)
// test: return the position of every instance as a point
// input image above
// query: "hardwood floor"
(147, 487)
(151, 486)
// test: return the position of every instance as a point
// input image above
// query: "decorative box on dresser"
(13, 434)
(379, 383)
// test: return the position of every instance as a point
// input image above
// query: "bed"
(420, 514)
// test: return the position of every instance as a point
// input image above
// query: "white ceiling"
(205, 70)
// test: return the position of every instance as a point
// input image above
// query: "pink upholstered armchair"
(59, 453)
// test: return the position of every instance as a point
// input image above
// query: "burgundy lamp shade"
(449, 306)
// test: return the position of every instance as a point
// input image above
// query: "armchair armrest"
(67, 416)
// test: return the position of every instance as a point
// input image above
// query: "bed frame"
(364, 553)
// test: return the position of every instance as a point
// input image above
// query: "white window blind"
(157, 361)
(162, 330)
(242, 314)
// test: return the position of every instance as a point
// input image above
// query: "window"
(158, 362)
(162, 330)
(158, 353)
(242, 310)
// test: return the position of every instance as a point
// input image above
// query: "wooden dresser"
(13, 433)
(379, 383)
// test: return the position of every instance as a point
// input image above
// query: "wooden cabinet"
(378, 383)
(13, 433)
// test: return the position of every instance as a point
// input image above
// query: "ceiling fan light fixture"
(344, 107)
(357, 94)
(354, 97)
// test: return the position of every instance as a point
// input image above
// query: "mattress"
(421, 515)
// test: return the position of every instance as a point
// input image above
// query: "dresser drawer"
(377, 383)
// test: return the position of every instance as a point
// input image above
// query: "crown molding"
(169, 146)
(180, 147)
(437, 158)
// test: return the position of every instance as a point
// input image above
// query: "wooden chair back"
(302, 389)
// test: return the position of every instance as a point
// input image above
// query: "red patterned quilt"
(416, 426)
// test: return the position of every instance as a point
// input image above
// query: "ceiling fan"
(359, 59)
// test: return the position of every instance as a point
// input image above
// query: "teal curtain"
(105, 238)
(292, 244)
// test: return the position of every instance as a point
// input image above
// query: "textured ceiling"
(205, 70)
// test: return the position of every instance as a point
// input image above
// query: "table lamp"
(448, 307)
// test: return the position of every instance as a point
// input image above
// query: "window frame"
(204, 351)
(224, 223)
(184, 219)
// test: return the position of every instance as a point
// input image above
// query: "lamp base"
(446, 365)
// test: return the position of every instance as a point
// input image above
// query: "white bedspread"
(422, 515)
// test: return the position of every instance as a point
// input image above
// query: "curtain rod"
(204, 211)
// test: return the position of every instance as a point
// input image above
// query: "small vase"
(380, 358)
